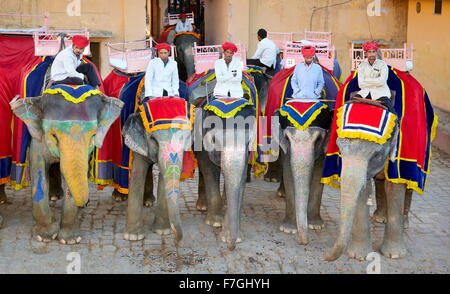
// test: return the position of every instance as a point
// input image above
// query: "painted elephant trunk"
(233, 164)
(74, 167)
(352, 184)
(302, 164)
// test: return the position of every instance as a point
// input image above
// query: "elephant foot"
(288, 228)
(161, 227)
(214, 220)
(316, 223)
(334, 253)
(69, 236)
(379, 216)
(405, 221)
(46, 233)
(119, 197)
(272, 180)
(393, 250)
(133, 236)
(239, 239)
(281, 193)
(358, 251)
(55, 193)
(201, 204)
(149, 200)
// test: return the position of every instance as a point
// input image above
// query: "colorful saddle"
(73, 93)
(302, 113)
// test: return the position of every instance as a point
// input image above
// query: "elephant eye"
(54, 138)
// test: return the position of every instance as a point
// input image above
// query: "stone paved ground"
(265, 248)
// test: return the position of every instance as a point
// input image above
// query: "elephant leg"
(149, 198)
(135, 208)
(273, 173)
(361, 243)
(211, 177)
(393, 244)
(119, 197)
(289, 224)
(161, 224)
(315, 221)
(3, 197)
(379, 216)
(70, 224)
(201, 204)
(55, 190)
(281, 192)
(408, 198)
(46, 227)
(249, 173)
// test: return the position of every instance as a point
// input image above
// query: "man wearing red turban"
(183, 24)
(68, 68)
(373, 74)
(228, 73)
(161, 76)
(307, 81)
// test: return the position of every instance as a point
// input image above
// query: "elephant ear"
(106, 117)
(30, 112)
(134, 135)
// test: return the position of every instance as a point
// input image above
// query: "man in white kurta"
(183, 25)
(266, 53)
(228, 73)
(161, 77)
(373, 74)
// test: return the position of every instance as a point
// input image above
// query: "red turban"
(372, 45)
(229, 46)
(308, 51)
(80, 41)
(163, 46)
(183, 15)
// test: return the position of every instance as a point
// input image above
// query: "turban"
(80, 41)
(229, 46)
(372, 45)
(183, 15)
(163, 46)
(308, 51)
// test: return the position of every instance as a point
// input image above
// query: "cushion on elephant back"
(73, 93)
(167, 112)
(365, 121)
(227, 107)
(302, 114)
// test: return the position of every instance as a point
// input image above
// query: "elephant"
(302, 158)
(362, 160)
(164, 147)
(225, 150)
(64, 132)
(185, 55)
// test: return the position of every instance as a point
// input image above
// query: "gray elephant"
(229, 156)
(302, 158)
(64, 132)
(185, 56)
(164, 147)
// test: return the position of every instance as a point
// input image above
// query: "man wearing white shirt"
(266, 53)
(68, 67)
(228, 73)
(183, 25)
(161, 77)
(373, 74)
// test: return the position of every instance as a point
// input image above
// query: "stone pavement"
(265, 249)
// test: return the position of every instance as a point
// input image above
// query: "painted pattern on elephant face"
(172, 156)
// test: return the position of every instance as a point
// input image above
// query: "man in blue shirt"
(307, 80)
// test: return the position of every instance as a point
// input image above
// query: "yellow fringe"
(332, 181)
(434, 127)
(308, 122)
(167, 126)
(363, 136)
(232, 113)
(187, 33)
(69, 97)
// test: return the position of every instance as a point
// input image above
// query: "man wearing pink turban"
(372, 77)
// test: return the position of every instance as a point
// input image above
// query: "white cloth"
(184, 27)
(372, 79)
(159, 78)
(65, 65)
(228, 78)
(266, 52)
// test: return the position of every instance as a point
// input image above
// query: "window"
(418, 7)
(438, 7)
